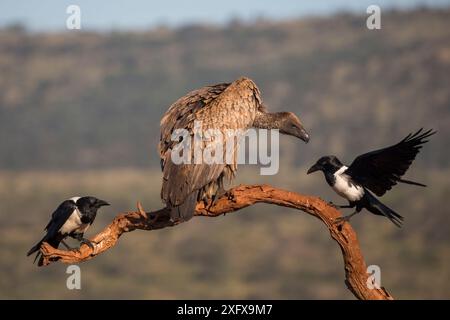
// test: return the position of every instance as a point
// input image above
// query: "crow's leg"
(88, 242)
(345, 218)
(337, 206)
(79, 237)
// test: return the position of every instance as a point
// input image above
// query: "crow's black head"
(89, 203)
(326, 164)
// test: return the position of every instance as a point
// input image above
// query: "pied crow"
(377, 171)
(71, 219)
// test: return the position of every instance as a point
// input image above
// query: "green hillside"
(86, 100)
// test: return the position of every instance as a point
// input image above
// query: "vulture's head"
(290, 124)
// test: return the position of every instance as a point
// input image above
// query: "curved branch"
(239, 197)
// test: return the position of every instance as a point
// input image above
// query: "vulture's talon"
(213, 201)
(230, 194)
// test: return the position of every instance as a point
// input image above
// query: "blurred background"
(80, 111)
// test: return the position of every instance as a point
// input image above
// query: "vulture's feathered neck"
(267, 120)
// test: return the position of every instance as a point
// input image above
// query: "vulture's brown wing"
(380, 170)
(222, 107)
(181, 180)
(182, 113)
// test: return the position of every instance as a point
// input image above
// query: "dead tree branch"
(241, 197)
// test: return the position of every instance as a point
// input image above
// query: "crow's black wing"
(379, 170)
(59, 217)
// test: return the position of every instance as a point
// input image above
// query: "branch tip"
(141, 210)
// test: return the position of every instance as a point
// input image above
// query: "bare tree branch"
(239, 197)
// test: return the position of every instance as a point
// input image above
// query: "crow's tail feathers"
(392, 215)
(36, 247)
(412, 182)
(53, 242)
(40, 259)
(378, 208)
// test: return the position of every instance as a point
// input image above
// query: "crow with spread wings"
(377, 171)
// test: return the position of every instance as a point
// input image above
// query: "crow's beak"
(314, 168)
(102, 203)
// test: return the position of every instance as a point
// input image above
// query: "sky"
(50, 15)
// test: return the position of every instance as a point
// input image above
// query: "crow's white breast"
(74, 224)
(345, 187)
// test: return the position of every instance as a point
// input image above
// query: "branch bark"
(240, 197)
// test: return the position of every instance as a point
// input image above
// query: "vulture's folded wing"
(182, 113)
(220, 107)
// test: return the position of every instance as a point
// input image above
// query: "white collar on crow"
(75, 199)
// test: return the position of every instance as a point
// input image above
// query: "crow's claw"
(341, 220)
(331, 204)
(87, 242)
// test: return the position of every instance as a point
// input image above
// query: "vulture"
(226, 106)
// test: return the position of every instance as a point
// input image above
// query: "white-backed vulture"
(236, 105)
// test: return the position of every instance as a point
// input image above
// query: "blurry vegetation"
(79, 114)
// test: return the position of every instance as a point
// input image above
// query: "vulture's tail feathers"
(184, 211)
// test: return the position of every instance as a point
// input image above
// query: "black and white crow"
(71, 219)
(376, 171)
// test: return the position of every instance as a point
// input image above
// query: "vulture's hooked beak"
(297, 131)
(291, 125)
(304, 135)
